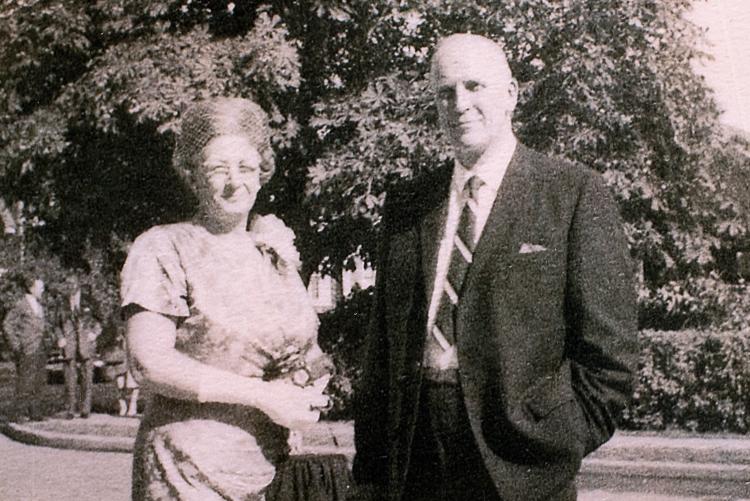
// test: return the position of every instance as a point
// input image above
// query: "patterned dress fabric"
(236, 309)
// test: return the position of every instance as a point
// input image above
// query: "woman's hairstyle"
(211, 118)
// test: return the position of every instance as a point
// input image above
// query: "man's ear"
(512, 95)
(513, 90)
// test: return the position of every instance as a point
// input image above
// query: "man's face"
(476, 95)
(37, 288)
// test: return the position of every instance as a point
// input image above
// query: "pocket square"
(531, 248)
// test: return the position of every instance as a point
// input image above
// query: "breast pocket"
(535, 272)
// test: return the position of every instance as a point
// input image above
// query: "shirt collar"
(490, 167)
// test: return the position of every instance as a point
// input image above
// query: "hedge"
(692, 380)
(687, 380)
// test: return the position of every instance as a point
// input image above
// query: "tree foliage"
(608, 84)
(90, 93)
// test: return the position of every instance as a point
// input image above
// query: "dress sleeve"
(153, 276)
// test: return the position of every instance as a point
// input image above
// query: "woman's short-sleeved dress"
(235, 307)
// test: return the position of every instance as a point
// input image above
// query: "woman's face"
(230, 176)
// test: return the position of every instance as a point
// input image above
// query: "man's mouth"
(466, 121)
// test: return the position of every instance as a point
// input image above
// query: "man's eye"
(445, 94)
(473, 86)
(246, 169)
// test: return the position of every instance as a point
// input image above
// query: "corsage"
(276, 240)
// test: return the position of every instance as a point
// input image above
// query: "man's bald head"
(463, 46)
(476, 94)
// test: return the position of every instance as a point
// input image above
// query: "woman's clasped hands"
(296, 407)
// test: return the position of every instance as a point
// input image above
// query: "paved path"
(633, 496)
(30, 473)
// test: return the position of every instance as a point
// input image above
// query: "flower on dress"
(302, 364)
(276, 240)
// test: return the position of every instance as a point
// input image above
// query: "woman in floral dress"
(220, 327)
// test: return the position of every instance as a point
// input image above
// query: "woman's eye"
(217, 172)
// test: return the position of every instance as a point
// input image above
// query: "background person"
(80, 325)
(24, 330)
(503, 336)
(116, 367)
(216, 316)
(128, 391)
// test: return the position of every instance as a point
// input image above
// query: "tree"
(608, 84)
(90, 93)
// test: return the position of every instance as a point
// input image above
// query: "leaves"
(90, 93)
(608, 85)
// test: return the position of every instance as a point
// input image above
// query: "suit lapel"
(431, 234)
(507, 210)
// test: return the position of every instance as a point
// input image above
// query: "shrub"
(692, 380)
(342, 335)
(689, 380)
(699, 302)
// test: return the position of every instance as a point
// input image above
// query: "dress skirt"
(190, 451)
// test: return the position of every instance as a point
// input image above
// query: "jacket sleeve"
(601, 311)
(370, 466)
(14, 324)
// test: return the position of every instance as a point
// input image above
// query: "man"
(503, 334)
(24, 330)
(79, 327)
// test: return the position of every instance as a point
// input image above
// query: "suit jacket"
(546, 340)
(24, 330)
(79, 330)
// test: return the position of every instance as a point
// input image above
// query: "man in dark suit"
(79, 328)
(503, 334)
(24, 330)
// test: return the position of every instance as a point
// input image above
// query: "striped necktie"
(464, 243)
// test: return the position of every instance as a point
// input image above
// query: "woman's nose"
(234, 176)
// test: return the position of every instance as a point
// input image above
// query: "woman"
(217, 316)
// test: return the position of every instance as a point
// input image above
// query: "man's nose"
(462, 98)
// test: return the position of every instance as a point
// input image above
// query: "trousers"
(446, 464)
(30, 379)
(78, 372)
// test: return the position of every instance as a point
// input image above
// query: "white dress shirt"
(491, 169)
(35, 305)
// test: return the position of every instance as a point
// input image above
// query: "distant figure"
(24, 330)
(80, 326)
(116, 367)
(118, 370)
(128, 391)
